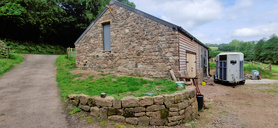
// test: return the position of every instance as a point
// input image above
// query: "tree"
(53, 21)
(235, 43)
(258, 50)
(127, 2)
(270, 49)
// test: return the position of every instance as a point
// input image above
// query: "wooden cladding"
(186, 45)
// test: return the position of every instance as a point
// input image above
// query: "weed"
(121, 126)
(80, 115)
(103, 123)
(113, 123)
(90, 120)
(34, 48)
(191, 123)
(131, 126)
(98, 119)
(74, 110)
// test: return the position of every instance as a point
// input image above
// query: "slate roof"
(173, 26)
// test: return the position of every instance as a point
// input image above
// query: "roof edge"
(88, 28)
(166, 23)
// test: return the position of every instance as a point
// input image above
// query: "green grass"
(110, 84)
(8, 64)
(103, 123)
(74, 110)
(274, 68)
(264, 73)
(90, 120)
(212, 65)
(248, 67)
(34, 48)
(214, 48)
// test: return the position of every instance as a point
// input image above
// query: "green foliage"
(121, 126)
(56, 21)
(264, 50)
(29, 47)
(90, 120)
(110, 84)
(7, 64)
(212, 65)
(248, 67)
(74, 110)
(103, 123)
(127, 2)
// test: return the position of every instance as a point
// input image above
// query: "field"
(73, 81)
(248, 67)
(8, 64)
(214, 48)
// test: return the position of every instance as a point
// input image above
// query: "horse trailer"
(229, 68)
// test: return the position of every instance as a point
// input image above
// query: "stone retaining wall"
(159, 110)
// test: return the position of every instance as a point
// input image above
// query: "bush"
(34, 48)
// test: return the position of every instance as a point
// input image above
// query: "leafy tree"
(270, 49)
(127, 2)
(258, 50)
(53, 21)
(235, 44)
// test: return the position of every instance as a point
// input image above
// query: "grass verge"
(112, 85)
(248, 67)
(7, 64)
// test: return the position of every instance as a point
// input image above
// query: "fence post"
(270, 67)
(68, 53)
(8, 52)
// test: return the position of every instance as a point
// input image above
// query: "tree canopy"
(52, 21)
(264, 50)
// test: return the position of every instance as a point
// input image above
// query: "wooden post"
(270, 67)
(253, 62)
(68, 53)
(260, 64)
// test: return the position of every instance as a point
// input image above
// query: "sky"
(218, 21)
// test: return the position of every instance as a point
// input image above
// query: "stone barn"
(128, 41)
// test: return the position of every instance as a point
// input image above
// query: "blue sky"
(218, 21)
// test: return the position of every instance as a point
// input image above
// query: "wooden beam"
(110, 9)
(105, 21)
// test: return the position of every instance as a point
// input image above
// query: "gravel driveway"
(29, 95)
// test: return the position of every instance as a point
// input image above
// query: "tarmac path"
(29, 96)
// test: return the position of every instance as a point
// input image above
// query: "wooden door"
(191, 64)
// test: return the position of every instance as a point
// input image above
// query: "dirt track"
(29, 95)
(251, 105)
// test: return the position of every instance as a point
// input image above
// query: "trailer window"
(223, 57)
(233, 62)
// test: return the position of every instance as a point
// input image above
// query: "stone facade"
(139, 46)
(167, 110)
(3, 50)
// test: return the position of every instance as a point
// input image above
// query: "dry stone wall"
(3, 50)
(167, 110)
(139, 46)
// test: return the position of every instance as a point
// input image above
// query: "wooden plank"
(173, 75)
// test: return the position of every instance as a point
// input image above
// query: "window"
(106, 37)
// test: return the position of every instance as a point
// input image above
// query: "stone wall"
(139, 46)
(3, 50)
(159, 110)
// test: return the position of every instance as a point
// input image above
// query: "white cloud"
(262, 30)
(187, 13)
